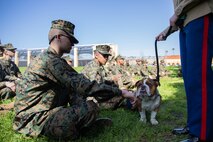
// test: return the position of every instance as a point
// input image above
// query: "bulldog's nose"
(143, 87)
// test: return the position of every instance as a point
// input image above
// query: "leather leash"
(156, 55)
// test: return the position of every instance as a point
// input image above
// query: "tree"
(173, 49)
(166, 52)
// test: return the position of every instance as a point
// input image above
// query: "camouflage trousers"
(67, 122)
(112, 103)
(6, 93)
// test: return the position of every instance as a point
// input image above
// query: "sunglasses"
(70, 38)
(58, 36)
(105, 55)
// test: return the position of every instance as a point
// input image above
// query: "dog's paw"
(154, 121)
(143, 120)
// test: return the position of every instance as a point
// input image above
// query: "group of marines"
(54, 100)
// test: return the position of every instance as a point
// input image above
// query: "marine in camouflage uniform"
(125, 81)
(162, 70)
(2, 75)
(1, 50)
(95, 70)
(128, 67)
(51, 95)
(1, 54)
(110, 62)
(179, 72)
(10, 71)
(139, 69)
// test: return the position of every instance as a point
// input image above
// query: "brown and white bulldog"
(148, 99)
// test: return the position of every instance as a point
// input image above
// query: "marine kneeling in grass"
(51, 97)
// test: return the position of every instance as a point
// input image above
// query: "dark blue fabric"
(191, 44)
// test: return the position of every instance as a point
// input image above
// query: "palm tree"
(173, 49)
(166, 52)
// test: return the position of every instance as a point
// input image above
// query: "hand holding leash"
(175, 23)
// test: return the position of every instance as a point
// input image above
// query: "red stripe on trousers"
(204, 72)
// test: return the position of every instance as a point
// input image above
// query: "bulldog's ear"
(156, 82)
(138, 83)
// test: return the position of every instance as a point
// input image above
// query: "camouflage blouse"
(94, 71)
(47, 86)
(2, 75)
(10, 70)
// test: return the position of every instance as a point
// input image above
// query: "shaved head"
(54, 32)
(60, 41)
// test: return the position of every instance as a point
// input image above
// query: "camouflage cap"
(9, 46)
(119, 57)
(65, 26)
(103, 49)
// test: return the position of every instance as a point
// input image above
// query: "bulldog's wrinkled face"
(146, 87)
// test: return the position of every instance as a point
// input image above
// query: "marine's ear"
(58, 36)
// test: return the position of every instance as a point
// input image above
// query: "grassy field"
(126, 125)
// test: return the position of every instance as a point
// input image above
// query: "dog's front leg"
(153, 118)
(143, 116)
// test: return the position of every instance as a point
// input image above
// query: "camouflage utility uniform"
(140, 69)
(2, 75)
(1, 50)
(108, 66)
(128, 68)
(51, 98)
(125, 81)
(10, 72)
(112, 69)
(94, 71)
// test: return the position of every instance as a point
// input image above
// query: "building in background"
(80, 54)
(172, 60)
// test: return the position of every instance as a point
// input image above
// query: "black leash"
(179, 23)
(156, 55)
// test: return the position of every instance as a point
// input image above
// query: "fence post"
(28, 57)
(75, 57)
(16, 59)
(93, 49)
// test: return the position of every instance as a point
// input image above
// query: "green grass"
(22, 69)
(126, 125)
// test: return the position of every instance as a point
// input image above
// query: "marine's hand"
(163, 35)
(136, 103)
(130, 95)
(11, 85)
(160, 37)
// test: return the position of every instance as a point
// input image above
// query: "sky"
(130, 24)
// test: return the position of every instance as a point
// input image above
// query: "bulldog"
(148, 99)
